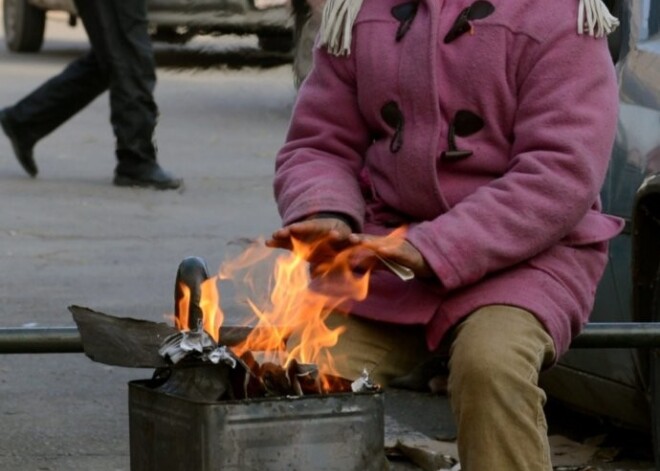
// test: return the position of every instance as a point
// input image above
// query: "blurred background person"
(121, 61)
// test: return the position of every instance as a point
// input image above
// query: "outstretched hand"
(325, 236)
(310, 231)
(329, 236)
(395, 249)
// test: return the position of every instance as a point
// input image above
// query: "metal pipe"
(67, 339)
(40, 340)
(619, 335)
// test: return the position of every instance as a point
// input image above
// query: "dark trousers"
(121, 61)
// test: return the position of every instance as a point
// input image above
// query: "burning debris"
(364, 383)
(198, 359)
(263, 396)
(193, 352)
(244, 377)
(196, 342)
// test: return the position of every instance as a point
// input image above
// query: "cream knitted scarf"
(339, 15)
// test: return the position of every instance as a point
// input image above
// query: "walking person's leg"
(123, 45)
(50, 105)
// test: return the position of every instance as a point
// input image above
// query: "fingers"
(324, 238)
(280, 239)
(275, 243)
(328, 230)
(396, 250)
(383, 246)
(328, 237)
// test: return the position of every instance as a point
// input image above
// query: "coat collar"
(593, 18)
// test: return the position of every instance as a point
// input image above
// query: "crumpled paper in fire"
(364, 383)
(197, 343)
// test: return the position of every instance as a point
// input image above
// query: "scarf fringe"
(595, 19)
(337, 25)
(338, 17)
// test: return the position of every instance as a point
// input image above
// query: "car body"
(620, 385)
(623, 385)
(170, 20)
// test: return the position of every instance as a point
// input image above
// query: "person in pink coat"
(481, 132)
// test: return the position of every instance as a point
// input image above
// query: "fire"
(299, 304)
(212, 315)
(182, 318)
(291, 306)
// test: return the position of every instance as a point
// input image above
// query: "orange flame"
(181, 321)
(289, 307)
(212, 315)
(298, 305)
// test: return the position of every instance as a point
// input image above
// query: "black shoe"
(22, 149)
(153, 177)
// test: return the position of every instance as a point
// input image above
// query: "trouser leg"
(495, 359)
(496, 355)
(385, 351)
(58, 99)
(119, 36)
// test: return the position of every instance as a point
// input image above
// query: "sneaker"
(22, 149)
(153, 177)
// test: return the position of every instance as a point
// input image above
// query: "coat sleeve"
(562, 139)
(317, 169)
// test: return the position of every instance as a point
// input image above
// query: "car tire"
(172, 35)
(281, 43)
(654, 376)
(24, 26)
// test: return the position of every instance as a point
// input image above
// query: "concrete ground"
(70, 237)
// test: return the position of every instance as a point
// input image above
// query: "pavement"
(70, 237)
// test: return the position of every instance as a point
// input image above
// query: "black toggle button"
(465, 123)
(393, 117)
(478, 10)
(391, 114)
(456, 155)
(405, 14)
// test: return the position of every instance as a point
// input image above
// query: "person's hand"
(326, 237)
(395, 249)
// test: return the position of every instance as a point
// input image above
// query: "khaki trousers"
(495, 357)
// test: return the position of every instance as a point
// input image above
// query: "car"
(619, 385)
(170, 20)
(623, 385)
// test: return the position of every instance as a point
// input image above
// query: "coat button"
(465, 123)
(393, 117)
(404, 13)
(478, 10)
(455, 155)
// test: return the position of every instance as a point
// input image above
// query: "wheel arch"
(646, 249)
(646, 287)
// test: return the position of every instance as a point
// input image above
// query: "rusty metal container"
(335, 432)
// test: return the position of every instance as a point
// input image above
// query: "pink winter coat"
(512, 219)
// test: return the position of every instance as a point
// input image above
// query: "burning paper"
(364, 383)
(198, 342)
(289, 337)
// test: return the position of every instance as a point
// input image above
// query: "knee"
(483, 367)
(488, 357)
